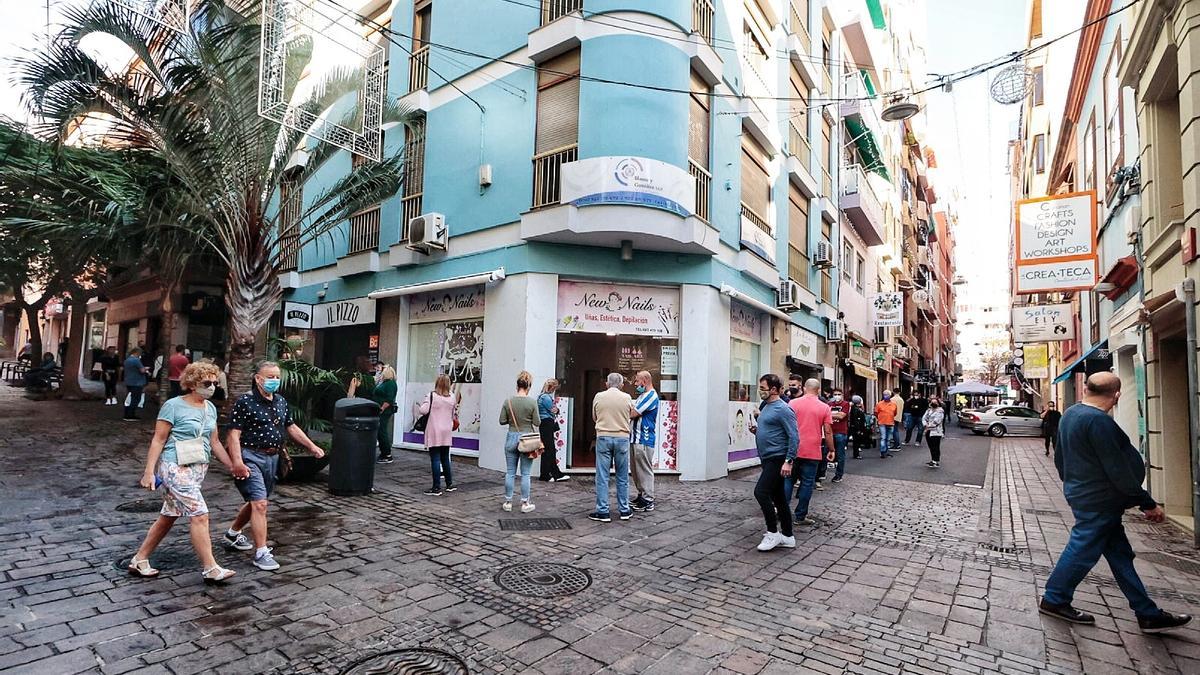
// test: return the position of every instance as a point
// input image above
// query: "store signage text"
(1043, 323)
(297, 315)
(637, 181)
(1056, 243)
(887, 309)
(616, 308)
(448, 305)
(1056, 276)
(745, 323)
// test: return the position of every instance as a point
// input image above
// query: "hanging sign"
(297, 315)
(804, 346)
(1056, 243)
(451, 304)
(628, 180)
(618, 309)
(1037, 361)
(887, 309)
(1043, 323)
(745, 323)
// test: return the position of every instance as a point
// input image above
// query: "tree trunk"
(165, 332)
(35, 332)
(252, 293)
(70, 389)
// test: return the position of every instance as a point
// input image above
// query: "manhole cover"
(543, 580)
(409, 662)
(529, 524)
(153, 505)
(1174, 562)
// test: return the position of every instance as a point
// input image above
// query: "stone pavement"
(897, 576)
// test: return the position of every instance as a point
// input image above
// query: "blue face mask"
(641, 389)
(270, 385)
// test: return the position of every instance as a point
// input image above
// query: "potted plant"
(306, 387)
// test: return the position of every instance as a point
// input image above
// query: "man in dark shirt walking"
(1102, 475)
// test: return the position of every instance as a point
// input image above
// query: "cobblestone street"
(897, 576)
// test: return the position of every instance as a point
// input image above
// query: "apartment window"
(860, 273)
(414, 175)
(1035, 21)
(827, 273)
(291, 202)
(798, 261)
(699, 130)
(1039, 153)
(1094, 316)
(553, 10)
(1114, 115)
(847, 260)
(1039, 86)
(557, 136)
(756, 182)
(1089, 153)
(756, 54)
(418, 68)
(827, 151)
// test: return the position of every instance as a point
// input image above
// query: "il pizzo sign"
(350, 312)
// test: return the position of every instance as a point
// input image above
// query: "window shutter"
(699, 122)
(756, 183)
(558, 103)
(797, 218)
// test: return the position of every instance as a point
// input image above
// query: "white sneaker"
(787, 542)
(769, 541)
(526, 507)
(507, 506)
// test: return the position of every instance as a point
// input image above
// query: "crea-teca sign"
(1056, 243)
(349, 312)
(1043, 323)
(636, 181)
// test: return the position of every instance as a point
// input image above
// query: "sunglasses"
(208, 383)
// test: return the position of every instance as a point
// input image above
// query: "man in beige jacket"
(611, 413)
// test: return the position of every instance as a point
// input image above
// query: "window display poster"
(669, 360)
(456, 349)
(741, 441)
(630, 359)
(745, 323)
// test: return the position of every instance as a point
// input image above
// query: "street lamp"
(899, 109)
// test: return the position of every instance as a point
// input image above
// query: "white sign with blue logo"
(629, 180)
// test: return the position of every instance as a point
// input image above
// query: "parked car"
(1002, 420)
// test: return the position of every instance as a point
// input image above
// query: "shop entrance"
(584, 362)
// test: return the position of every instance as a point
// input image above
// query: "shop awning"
(455, 282)
(868, 146)
(1097, 353)
(1121, 275)
(877, 18)
(865, 372)
(741, 297)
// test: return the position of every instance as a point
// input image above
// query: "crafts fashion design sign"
(1056, 243)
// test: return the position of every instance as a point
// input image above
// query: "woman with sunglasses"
(186, 429)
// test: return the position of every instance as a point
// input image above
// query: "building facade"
(708, 211)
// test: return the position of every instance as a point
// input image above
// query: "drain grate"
(1042, 512)
(1000, 548)
(418, 661)
(543, 580)
(532, 524)
(141, 506)
(1176, 563)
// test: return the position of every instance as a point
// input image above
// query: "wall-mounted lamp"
(626, 250)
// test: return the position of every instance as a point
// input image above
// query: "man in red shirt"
(814, 421)
(840, 408)
(175, 366)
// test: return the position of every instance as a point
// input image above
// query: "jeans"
(885, 437)
(439, 464)
(384, 436)
(610, 451)
(770, 493)
(513, 459)
(913, 423)
(135, 399)
(896, 434)
(549, 466)
(804, 475)
(935, 448)
(1094, 535)
(839, 446)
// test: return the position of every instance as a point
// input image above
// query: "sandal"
(217, 575)
(141, 568)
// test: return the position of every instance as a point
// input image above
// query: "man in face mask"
(885, 416)
(257, 427)
(840, 408)
(794, 389)
(642, 440)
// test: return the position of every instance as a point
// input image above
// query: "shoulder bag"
(423, 420)
(528, 443)
(192, 451)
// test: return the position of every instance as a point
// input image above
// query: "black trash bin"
(355, 432)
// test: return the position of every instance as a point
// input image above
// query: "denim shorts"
(262, 475)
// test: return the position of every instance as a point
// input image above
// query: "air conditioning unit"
(788, 296)
(835, 330)
(900, 351)
(427, 232)
(823, 255)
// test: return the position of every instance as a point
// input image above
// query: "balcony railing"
(703, 188)
(553, 10)
(826, 81)
(547, 174)
(364, 231)
(854, 181)
(800, 29)
(753, 216)
(798, 144)
(826, 183)
(702, 19)
(418, 69)
(289, 250)
(410, 207)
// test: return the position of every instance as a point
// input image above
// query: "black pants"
(385, 436)
(176, 388)
(439, 465)
(549, 464)
(769, 493)
(135, 399)
(935, 448)
(110, 385)
(1051, 440)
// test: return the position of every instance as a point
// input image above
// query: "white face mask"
(837, 398)
(205, 392)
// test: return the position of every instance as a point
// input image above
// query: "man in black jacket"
(1102, 475)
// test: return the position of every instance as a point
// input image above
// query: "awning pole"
(1188, 288)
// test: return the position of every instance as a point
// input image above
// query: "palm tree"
(190, 99)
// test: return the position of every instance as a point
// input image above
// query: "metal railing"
(556, 9)
(703, 188)
(364, 231)
(753, 216)
(702, 19)
(799, 28)
(854, 181)
(289, 250)
(418, 68)
(547, 174)
(798, 145)
(410, 207)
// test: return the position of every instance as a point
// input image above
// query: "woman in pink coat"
(441, 405)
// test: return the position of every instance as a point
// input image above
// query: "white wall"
(703, 383)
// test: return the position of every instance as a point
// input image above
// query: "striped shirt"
(644, 426)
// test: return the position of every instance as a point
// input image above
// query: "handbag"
(527, 443)
(284, 466)
(423, 420)
(191, 451)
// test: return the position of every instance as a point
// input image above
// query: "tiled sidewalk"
(897, 577)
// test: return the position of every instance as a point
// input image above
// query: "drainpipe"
(1188, 292)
